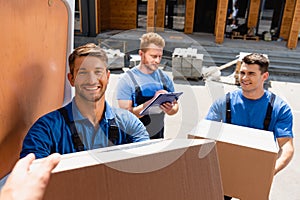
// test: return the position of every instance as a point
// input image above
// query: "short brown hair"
(151, 38)
(259, 59)
(89, 49)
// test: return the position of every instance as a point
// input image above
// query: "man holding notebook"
(140, 85)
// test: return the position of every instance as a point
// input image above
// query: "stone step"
(235, 51)
(274, 60)
(274, 67)
(280, 62)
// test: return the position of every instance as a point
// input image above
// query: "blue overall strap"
(267, 119)
(228, 109)
(269, 112)
(136, 88)
(78, 145)
(132, 78)
(113, 133)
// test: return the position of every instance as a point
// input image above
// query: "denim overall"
(149, 121)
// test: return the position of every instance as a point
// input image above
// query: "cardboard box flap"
(127, 151)
(239, 135)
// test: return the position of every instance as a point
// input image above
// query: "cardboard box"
(247, 158)
(156, 169)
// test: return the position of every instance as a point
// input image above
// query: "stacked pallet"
(186, 63)
(236, 35)
(115, 58)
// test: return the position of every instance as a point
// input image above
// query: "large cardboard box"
(247, 158)
(157, 169)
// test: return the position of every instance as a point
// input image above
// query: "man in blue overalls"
(88, 121)
(253, 106)
(141, 84)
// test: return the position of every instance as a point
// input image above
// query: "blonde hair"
(151, 38)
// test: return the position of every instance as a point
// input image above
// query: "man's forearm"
(285, 154)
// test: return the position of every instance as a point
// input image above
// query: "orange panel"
(253, 13)
(34, 38)
(221, 21)
(160, 18)
(151, 14)
(287, 19)
(295, 27)
(189, 16)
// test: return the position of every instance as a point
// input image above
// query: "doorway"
(205, 16)
(142, 14)
(237, 17)
(270, 17)
(175, 14)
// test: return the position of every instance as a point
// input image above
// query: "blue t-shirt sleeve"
(37, 140)
(131, 125)
(217, 111)
(125, 88)
(48, 134)
(169, 83)
(284, 123)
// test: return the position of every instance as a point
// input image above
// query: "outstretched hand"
(26, 183)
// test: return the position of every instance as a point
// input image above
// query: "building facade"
(279, 18)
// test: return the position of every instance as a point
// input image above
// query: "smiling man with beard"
(88, 121)
(253, 106)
